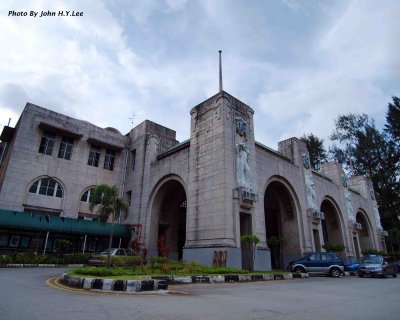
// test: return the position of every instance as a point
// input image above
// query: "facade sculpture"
(242, 166)
(311, 195)
(349, 207)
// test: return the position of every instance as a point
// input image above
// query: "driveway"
(26, 294)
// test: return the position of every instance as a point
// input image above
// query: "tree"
(108, 204)
(366, 151)
(316, 150)
(392, 126)
(347, 129)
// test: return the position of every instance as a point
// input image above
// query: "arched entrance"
(281, 224)
(364, 235)
(168, 220)
(331, 225)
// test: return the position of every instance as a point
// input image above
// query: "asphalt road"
(24, 294)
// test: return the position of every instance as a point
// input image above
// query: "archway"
(364, 235)
(168, 220)
(281, 224)
(331, 225)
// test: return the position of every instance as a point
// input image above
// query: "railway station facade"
(201, 194)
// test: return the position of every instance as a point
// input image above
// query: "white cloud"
(158, 59)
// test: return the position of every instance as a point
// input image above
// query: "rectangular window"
(133, 154)
(66, 148)
(129, 197)
(109, 159)
(47, 143)
(94, 156)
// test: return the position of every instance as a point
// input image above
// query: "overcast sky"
(298, 64)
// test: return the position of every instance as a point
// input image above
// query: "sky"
(298, 63)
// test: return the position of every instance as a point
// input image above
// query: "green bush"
(373, 251)
(30, 257)
(250, 238)
(96, 271)
(331, 247)
(126, 261)
(5, 259)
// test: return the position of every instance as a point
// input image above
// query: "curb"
(128, 286)
(161, 283)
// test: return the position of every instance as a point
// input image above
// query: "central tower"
(221, 186)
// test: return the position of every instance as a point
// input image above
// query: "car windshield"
(372, 260)
(106, 252)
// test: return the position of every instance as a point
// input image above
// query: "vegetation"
(156, 268)
(176, 268)
(249, 243)
(108, 205)
(30, 257)
(316, 150)
(274, 241)
(373, 251)
(331, 247)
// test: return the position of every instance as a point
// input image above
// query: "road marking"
(55, 283)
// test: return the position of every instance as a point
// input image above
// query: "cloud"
(350, 62)
(297, 68)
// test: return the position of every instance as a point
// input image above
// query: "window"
(129, 197)
(326, 257)
(47, 143)
(313, 257)
(109, 159)
(66, 148)
(94, 156)
(133, 154)
(47, 187)
(86, 196)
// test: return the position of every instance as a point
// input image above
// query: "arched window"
(86, 196)
(47, 187)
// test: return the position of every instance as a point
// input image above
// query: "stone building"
(201, 194)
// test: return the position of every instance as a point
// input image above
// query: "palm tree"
(107, 203)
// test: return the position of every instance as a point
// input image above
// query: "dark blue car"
(327, 263)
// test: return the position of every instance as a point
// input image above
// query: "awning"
(42, 222)
(105, 144)
(69, 132)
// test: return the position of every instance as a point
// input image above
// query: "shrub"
(5, 259)
(95, 271)
(126, 261)
(250, 238)
(331, 247)
(374, 251)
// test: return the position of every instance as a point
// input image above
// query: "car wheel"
(384, 274)
(360, 275)
(299, 269)
(395, 274)
(335, 272)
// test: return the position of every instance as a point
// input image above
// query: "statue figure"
(349, 207)
(311, 195)
(377, 217)
(242, 166)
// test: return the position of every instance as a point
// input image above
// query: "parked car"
(118, 252)
(101, 259)
(351, 263)
(377, 266)
(327, 263)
